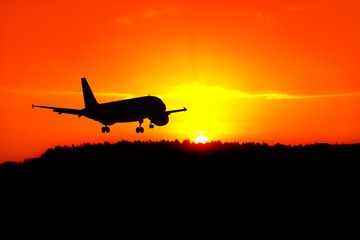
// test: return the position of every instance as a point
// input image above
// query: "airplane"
(127, 110)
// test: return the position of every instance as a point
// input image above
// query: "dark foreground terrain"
(174, 161)
(179, 186)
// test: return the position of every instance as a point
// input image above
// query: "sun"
(201, 139)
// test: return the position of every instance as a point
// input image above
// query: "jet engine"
(160, 120)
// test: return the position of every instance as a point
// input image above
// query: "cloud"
(271, 96)
(296, 8)
(149, 13)
(155, 12)
(123, 21)
(194, 90)
(61, 92)
(210, 92)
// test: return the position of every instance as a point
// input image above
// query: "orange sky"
(264, 71)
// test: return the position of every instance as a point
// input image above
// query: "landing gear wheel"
(105, 129)
(151, 125)
(139, 130)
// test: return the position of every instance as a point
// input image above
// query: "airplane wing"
(177, 110)
(59, 110)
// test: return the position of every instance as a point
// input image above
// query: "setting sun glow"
(201, 139)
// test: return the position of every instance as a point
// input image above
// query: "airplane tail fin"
(89, 98)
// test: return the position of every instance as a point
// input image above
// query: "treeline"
(142, 172)
(186, 150)
(175, 158)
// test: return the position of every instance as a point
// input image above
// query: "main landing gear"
(140, 129)
(105, 129)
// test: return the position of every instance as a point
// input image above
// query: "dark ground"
(174, 162)
(180, 186)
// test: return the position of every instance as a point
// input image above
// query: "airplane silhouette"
(127, 110)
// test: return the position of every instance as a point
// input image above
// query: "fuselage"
(128, 110)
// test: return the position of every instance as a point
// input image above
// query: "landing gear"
(151, 125)
(105, 129)
(140, 129)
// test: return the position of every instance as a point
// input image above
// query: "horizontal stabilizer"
(177, 110)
